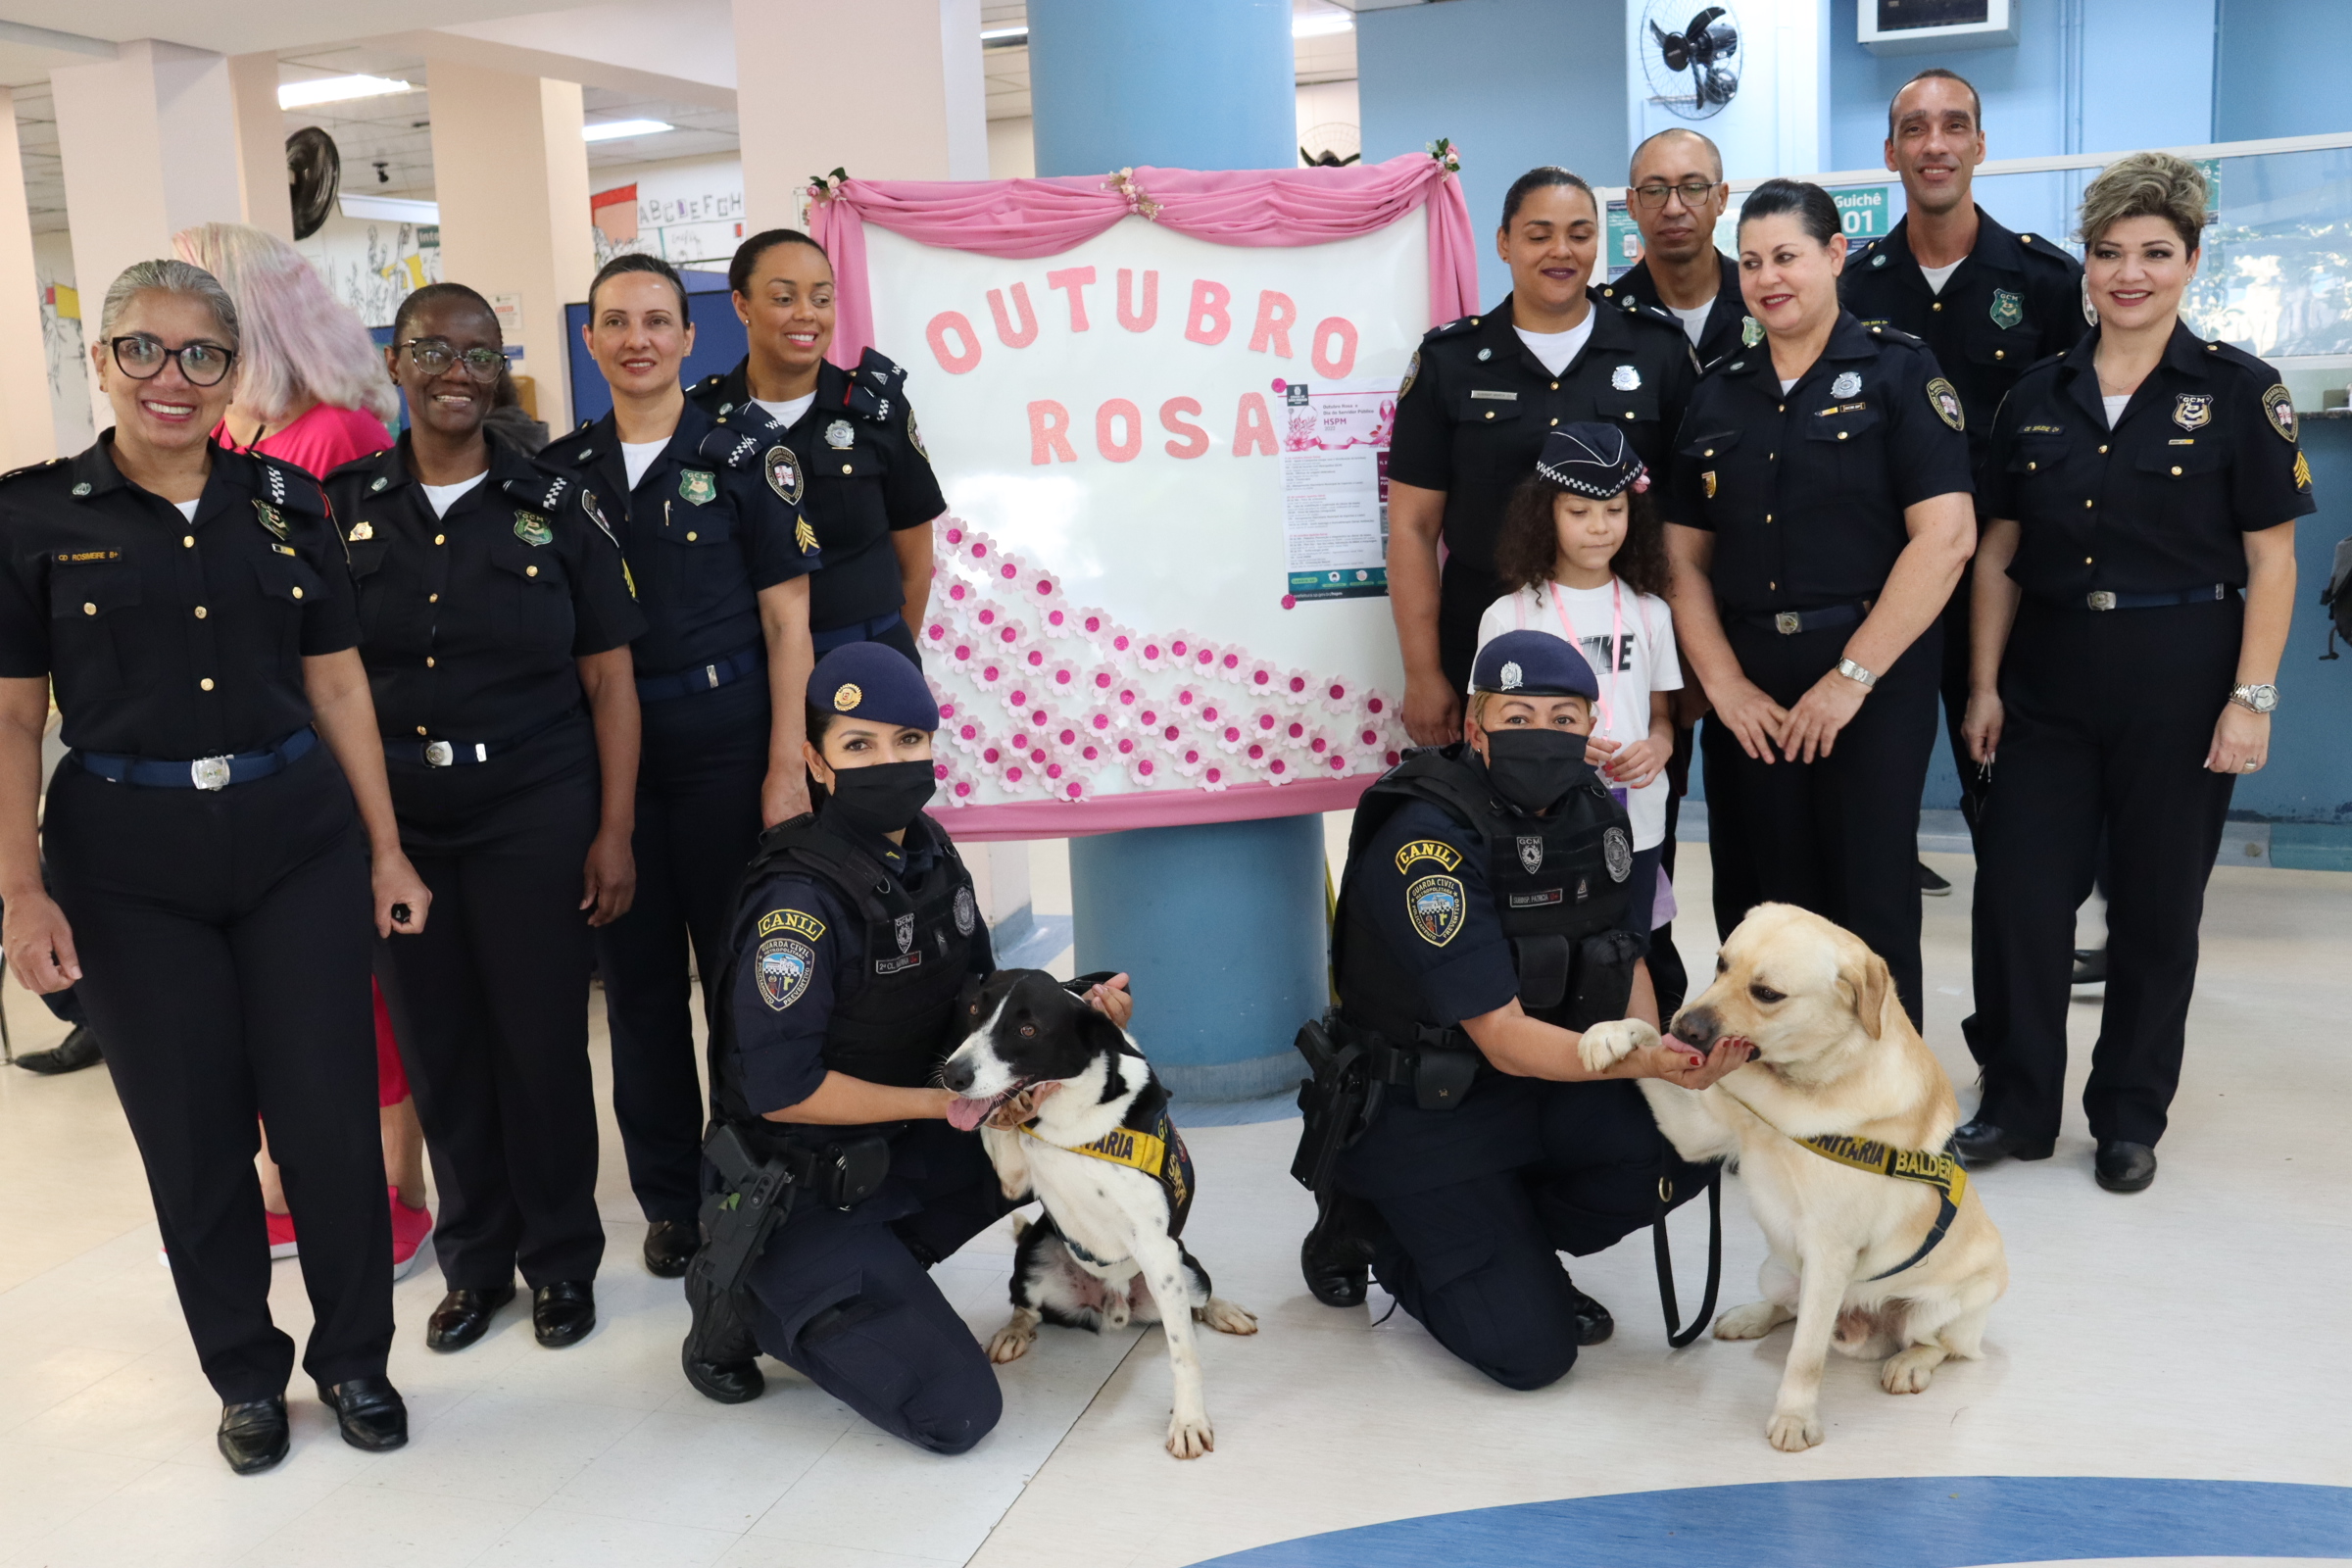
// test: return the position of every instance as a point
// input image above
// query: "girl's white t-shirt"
(1642, 663)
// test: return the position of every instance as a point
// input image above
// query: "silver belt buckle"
(710, 674)
(209, 773)
(439, 753)
(2101, 600)
(1787, 623)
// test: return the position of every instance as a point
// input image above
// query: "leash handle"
(1677, 1334)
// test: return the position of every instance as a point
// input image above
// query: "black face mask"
(882, 798)
(1533, 768)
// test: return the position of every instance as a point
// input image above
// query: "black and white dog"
(1100, 1154)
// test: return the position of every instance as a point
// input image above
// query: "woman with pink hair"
(312, 390)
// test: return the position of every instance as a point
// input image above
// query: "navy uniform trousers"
(223, 939)
(2108, 717)
(1839, 835)
(1476, 1262)
(489, 1004)
(846, 1300)
(704, 759)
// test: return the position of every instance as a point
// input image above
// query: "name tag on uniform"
(1498, 397)
(1536, 901)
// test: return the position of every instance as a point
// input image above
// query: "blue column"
(1222, 926)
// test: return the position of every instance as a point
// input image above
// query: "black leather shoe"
(1930, 884)
(2124, 1167)
(727, 1381)
(369, 1411)
(669, 1246)
(563, 1314)
(1592, 1321)
(463, 1316)
(75, 1051)
(2091, 967)
(1981, 1142)
(253, 1434)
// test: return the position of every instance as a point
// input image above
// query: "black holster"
(755, 1197)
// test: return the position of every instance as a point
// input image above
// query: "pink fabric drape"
(1032, 217)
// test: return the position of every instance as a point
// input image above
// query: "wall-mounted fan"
(1694, 64)
(313, 174)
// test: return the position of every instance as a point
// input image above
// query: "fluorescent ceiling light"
(616, 129)
(999, 34)
(1321, 24)
(336, 90)
(396, 209)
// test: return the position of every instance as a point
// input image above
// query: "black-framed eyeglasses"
(434, 356)
(142, 358)
(1692, 191)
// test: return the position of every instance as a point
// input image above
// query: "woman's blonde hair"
(301, 345)
(2146, 186)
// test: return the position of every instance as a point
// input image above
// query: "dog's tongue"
(965, 1113)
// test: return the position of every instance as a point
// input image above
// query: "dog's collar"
(1941, 1171)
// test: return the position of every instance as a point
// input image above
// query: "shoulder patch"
(783, 968)
(1453, 328)
(1436, 905)
(1412, 370)
(1438, 849)
(1946, 401)
(2279, 407)
(792, 921)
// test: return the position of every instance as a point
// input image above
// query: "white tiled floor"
(2186, 1332)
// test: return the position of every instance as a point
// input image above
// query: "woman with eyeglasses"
(218, 842)
(495, 621)
(1477, 401)
(708, 512)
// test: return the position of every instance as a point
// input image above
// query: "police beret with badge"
(1531, 664)
(875, 682)
(1589, 459)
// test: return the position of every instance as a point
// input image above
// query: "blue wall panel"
(2281, 68)
(1204, 84)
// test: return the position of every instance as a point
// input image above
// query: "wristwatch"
(2259, 698)
(1854, 672)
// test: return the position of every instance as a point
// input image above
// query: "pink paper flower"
(1039, 587)
(1147, 771)
(1057, 620)
(987, 673)
(1151, 653)
(1298, 685)
(1261, 677)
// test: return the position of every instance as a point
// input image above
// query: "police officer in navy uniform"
(1477, 400)
(871, 492)
(855, 933)
(495, 622)
(709, 517)
(2134, 594)
(211, 841)
(1676, 192)
(1817, 514)
(1988, 303)
(1482, 921)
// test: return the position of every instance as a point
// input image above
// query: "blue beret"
(872, 681)
(1590, 459)
(1534, 664)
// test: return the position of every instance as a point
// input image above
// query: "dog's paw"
(1753, 1321)
(1911, 1371)
(1191, 1438)
(1226, 1317)
(1013, 1339)
(1605, 1044)
(1115, 1310)
(1793, 1431)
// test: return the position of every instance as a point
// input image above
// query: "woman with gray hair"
(2133, 586)
(213, 867)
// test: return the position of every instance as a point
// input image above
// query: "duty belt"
(203, 772)
(862, 631)
(2101, 599)
(701, 677)
(453, 754)
(1789, 622)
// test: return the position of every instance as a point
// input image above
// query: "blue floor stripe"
(1914, 1522)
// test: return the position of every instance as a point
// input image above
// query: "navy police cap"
(1590, 459)
(872, 681)
(1534, 664)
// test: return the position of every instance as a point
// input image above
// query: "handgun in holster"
(754, 1198)
(1339, 1100)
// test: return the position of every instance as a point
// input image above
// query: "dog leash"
(1677, 1334)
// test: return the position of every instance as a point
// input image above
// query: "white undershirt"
(638, 456)
(788, 414)
(187, 509)
(2115, 408)
(1694, 319)
(1556, 349)
(441, 497)
(1938, 276)
(1786, 385)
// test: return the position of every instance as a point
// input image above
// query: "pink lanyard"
(1615, 650)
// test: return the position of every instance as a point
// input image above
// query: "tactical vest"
(1559, 884)
(894, 1017)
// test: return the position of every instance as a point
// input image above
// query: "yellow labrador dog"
(1838, 1122)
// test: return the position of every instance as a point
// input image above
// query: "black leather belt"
(454, 754)
(703, 677)
(825, 641)
(202, 772)
(2101, 599)
(1789, 622)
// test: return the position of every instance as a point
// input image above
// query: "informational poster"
(1335, 487)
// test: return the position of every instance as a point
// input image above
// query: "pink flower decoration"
(936, 632)
(1062, 679)
(1150, 654)
(1008, 572)
(1279, 772)
(1042, 587)
(1261, 677)
(1213, 778)
(963, 652)
(1126, 745)
(1098, 722)
(1146, 771)
(1335, 692)
(1057, 623)
(986, 673)
(1298, 685)
(1073, 790)
(1034, 659)
(955, 535)
(1189, 761)
(958, 592)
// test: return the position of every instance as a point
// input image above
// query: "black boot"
(1337, 1255)
(669, 1246)
(1593, 1323)
(719, 1355)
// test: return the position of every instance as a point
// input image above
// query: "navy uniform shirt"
(1804, 490)
(1475, 408)
(164, 638)
(1728, 325)
(715, 519)
(471, 622)
(2205, 451)
(2015, 299)
(781, 1039)
(868, 478)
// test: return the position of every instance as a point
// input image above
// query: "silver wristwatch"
(2258, 699)
(1854, 672)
